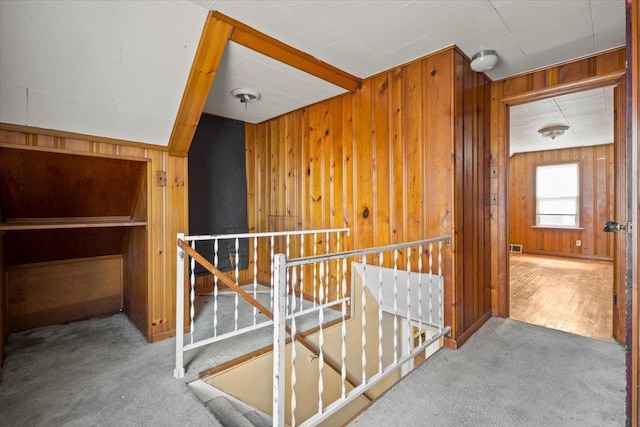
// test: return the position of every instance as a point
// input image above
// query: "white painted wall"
(115, 69)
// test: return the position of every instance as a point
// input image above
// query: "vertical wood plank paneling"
(362, 179)
(596, 173)
(336, 164)
(488, 189)
(326, 139)
(589, 196)
(164, 295)
(471, 213)
(291, 176)
(466, 262)
(413, 149)
(159, 240)
(305, 166)
(460, 238)
(348, 165)
(389, 149)
(381, 167)
(396, 150)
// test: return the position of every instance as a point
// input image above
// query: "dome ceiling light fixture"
(484, 60)
(246, 95)
(553, 132)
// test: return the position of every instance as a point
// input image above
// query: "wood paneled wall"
(55, 292)
(472, 197)
(596, 199)
(166, 211)
(391, 162)
(607, 68)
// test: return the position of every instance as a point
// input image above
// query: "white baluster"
(420, 252)
(301, 273)
(327, 269)
(407, 334)
(395, 306)
(178, 372)
(430, 288)
(380, 262)
(315, 267)
(364, 320)
(192, 294)
(272, 261)
(279, 343)
(293, 353)
(339, 273)
(440, 290)
(289, 284)
(343, 372)
(408, 325)
(321, 340)
(237, 274)
(255, 277)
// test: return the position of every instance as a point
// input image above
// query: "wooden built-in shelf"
(14, 224)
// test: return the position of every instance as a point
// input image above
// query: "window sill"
(550, 227)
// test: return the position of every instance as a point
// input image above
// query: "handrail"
(359, 252)
(404, 346)
(264, 310)
(264, 234)
(316, 237)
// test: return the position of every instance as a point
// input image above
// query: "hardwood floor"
(569, 294)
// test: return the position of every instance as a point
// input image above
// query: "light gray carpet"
(94, 372)
(103, 372)
(511, 374)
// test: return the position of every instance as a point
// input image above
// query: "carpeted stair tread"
(226, 413)
(257, 419)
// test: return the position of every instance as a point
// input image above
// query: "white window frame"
(556, 219)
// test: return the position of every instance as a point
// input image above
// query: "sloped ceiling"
(109, 68)
(119, 68)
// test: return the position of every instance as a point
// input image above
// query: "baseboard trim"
(568, 255)
(460, 340)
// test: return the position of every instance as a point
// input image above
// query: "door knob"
(612, 226)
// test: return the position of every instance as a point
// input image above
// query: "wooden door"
(633, 173)
(619, 296)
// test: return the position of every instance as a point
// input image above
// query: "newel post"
(179, 370)
(279, 339)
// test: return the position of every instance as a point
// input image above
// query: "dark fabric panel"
(218, 187)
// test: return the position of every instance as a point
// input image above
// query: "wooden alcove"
(74, 236)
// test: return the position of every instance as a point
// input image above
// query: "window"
(557, 195)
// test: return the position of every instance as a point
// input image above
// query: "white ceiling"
(589, 115)
(282, 88)
(364, 38)
(118, 69)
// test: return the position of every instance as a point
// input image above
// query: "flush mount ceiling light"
(553, 131)
(484, 60)
(246, 95)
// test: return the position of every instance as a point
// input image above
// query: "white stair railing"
(202, 333)
(396, 304)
